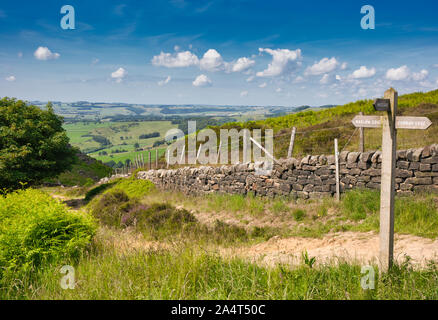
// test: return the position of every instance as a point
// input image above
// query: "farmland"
(116, 141)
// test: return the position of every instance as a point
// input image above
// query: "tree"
(33, 144)
(136, 145)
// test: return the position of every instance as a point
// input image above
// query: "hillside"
(85, 172)
(316, 130)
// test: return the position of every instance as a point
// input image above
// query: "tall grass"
(417, 215)
(193, 273)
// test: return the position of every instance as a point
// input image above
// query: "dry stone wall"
(309, 177)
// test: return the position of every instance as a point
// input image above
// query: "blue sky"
(217, 52)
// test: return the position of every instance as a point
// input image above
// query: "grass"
(357, 211)
(85, 172)
(190, 272)
(171, 255)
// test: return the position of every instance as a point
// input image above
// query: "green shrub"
(299, 214)
(134, 187)
(37, 229)
(110, 208)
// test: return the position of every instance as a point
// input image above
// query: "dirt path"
(346, 246)
(72, 203)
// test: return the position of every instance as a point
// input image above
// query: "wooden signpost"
(389, 124)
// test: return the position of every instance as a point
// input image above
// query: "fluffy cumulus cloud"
(165, 81)
(363, 72)
(202, 81)
(241, 64)
(420, 76)
(211, 61)
(176, 60)
(119, 74)
(44, 53)
(325, 65)
(10, 78)
(283, 60)
(398, 74)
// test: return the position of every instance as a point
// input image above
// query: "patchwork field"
(117, 141)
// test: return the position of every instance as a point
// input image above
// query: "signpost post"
(361, 137)
(389, 124)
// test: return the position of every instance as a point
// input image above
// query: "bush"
(134, 187)
(110, 208)
(33, 144)
(159, 220)
(299, 214)
(36, 229)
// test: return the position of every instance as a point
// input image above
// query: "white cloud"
(244, 94)
(298, 79)
(420, 76)
(211, 61)
(325, 79)
(201, 81)
(344, 66)
(177, 60)
(264, 84)
(338, 77)
(250, 78)
(176, 48)
(326, 65)
(363, 72)
(20, 54)
(43, 53)
(401, 73)
(95, 61)
(241, 64)
(10, 78)
(282, 61)
(427, 84)
(278, 90)
(119, 74)
(165, 81)
(362, 92)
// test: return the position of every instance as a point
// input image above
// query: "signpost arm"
(387, 190)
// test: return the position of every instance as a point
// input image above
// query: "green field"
(120, 136)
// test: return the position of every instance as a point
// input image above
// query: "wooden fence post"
(338, 191)
(291, 144)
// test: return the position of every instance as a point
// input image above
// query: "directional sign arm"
(419, 123)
